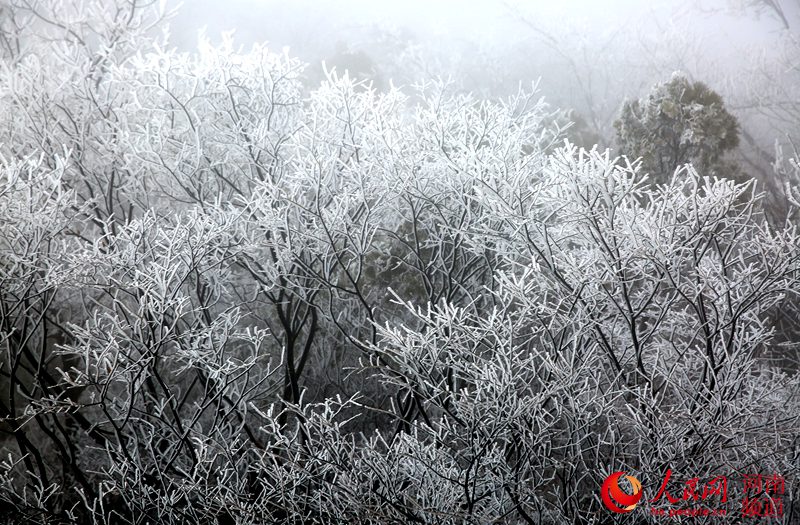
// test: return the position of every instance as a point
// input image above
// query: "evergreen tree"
(679, 122)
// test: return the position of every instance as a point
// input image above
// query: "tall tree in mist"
(679, 122)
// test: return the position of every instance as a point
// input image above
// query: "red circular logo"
(615, 499)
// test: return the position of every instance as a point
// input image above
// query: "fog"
(588, 56)
(719, 32)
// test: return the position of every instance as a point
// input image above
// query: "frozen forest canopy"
(237, 287)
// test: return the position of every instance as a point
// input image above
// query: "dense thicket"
(227, 298)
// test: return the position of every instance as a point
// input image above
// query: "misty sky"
(618, 48)
(306, 25)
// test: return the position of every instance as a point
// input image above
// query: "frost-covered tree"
(228, 299)
(679, 122)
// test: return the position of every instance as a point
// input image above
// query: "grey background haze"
(589, 55)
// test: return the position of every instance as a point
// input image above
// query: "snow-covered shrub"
(226, 298)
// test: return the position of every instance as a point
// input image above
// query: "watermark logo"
(617, 500)
(759, 496)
